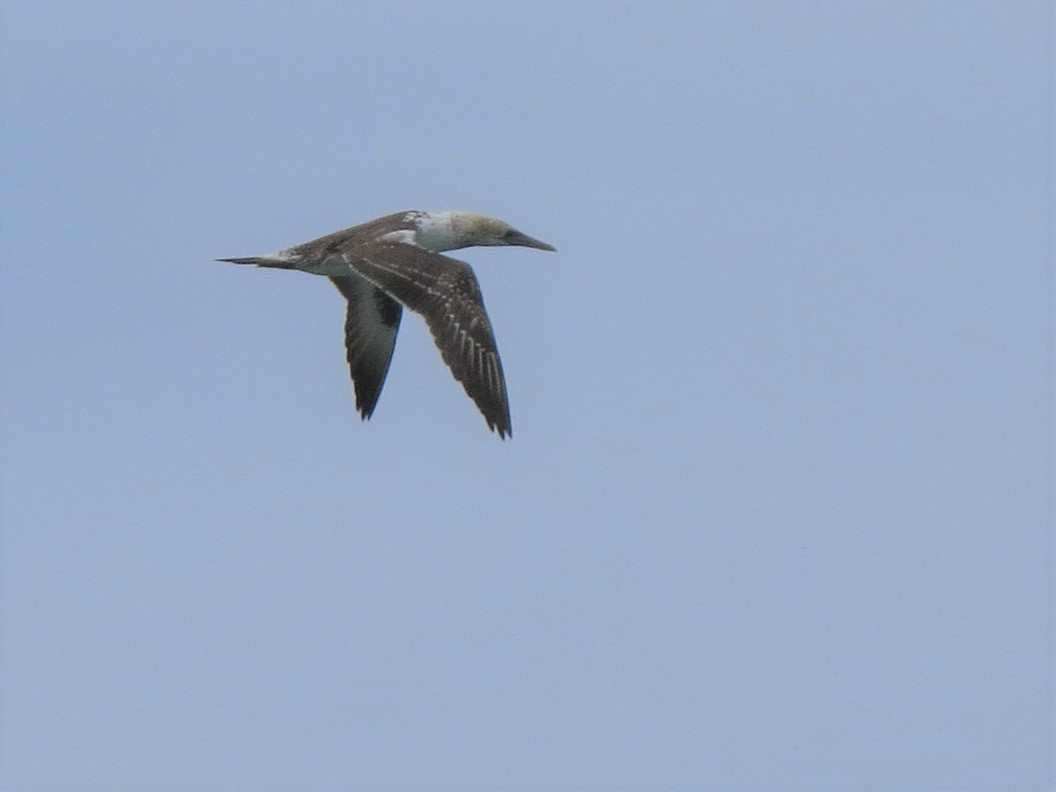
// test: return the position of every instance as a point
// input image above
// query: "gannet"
(395, 261)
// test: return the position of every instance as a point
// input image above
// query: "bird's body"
(394, 261)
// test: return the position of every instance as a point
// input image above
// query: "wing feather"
(445, 292)
(371, 322)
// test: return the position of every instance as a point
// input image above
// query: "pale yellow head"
(439, 231)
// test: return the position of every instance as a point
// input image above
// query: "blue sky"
(776, 509)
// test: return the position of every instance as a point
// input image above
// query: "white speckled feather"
(395, 260)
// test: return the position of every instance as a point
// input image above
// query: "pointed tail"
(276, 262)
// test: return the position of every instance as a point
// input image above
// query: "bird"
(394, 262)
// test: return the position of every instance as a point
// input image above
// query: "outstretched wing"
(446, 293)
(371, 322)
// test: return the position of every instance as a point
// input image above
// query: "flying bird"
(393, 262)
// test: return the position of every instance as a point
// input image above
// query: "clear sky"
(775, 511)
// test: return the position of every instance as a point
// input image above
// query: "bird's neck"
(440, 231)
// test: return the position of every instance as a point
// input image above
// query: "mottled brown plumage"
(395, 260)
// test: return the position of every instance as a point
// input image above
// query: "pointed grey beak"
(523, 240)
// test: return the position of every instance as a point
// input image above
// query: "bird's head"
(490, 231)
(453, 230)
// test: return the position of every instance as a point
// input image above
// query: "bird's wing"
(446, 293)
(371, 322)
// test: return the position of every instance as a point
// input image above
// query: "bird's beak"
(523, 240)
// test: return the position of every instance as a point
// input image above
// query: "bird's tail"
(277, 262)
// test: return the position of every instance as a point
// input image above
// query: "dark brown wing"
(446, 293)
(371, 322)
